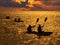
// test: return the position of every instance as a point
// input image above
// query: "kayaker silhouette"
(29, 29)
(39, 29)
(18, 20)
(7, 17)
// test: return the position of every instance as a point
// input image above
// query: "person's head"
(39, 25)
(29, 25)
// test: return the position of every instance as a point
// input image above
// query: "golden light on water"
(16, 31)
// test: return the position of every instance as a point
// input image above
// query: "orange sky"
(40, 3)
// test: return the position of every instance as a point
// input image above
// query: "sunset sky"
(29, 5)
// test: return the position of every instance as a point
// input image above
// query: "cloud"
(10, 3)
(32, 4)
(48, 4)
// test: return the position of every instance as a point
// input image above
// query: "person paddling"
(29, 29)
(39, 29)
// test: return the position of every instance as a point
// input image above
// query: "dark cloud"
(57, 4)
(10, 3)
(50, 2)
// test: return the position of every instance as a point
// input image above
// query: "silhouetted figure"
(29, 29)
(18, 20)
(15, 20)
(39, 29)
(42, 33)
(7, 17)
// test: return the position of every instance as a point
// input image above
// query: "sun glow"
(31, 1)
(19, 1)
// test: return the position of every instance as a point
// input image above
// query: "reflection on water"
(51, 25)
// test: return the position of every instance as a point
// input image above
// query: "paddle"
(36, 22)
(45, 21)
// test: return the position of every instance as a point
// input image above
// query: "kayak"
(41, 33)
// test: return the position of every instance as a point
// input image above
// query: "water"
(29, 17)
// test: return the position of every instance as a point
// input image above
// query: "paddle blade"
(37, 20)
(45, 19)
